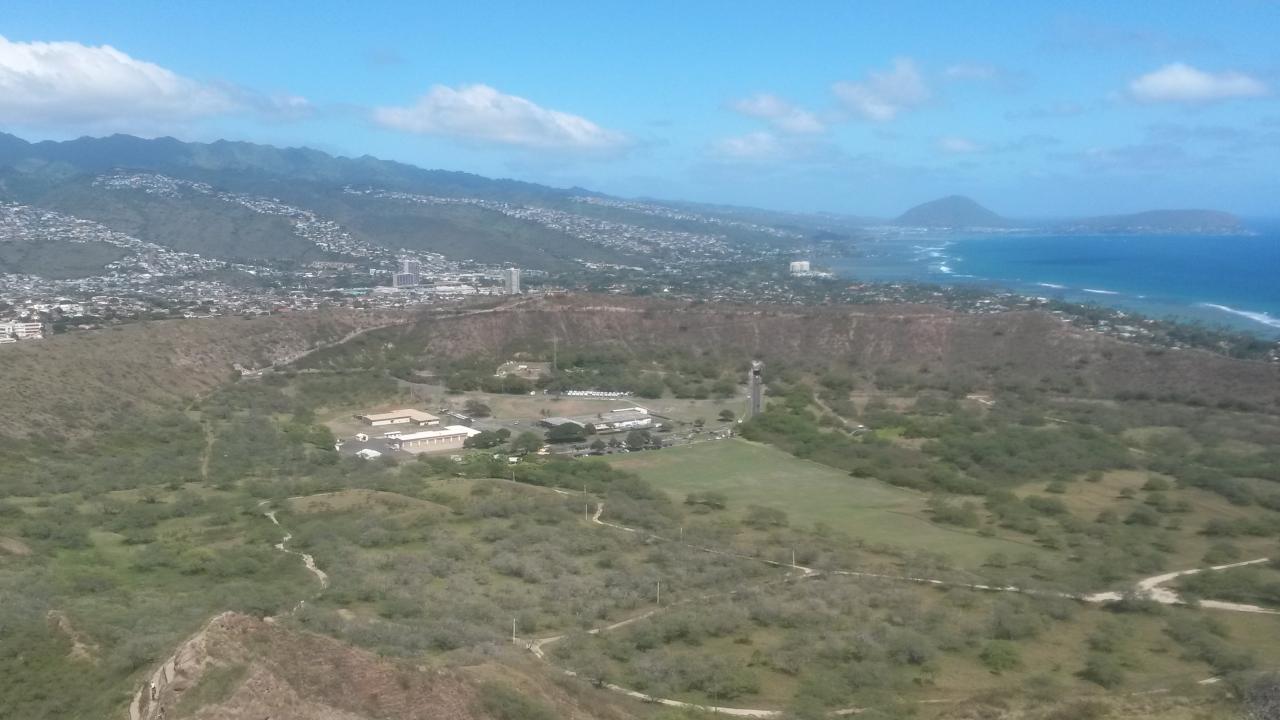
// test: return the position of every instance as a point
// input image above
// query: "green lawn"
(753, 474)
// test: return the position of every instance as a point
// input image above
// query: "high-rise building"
(511, 281)
(755, 386)
(410, 274)
(800, 267)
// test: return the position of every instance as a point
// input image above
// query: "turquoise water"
(1233, 281)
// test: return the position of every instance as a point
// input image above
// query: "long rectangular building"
(398, 417)
(451, 437)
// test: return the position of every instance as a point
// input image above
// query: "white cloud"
(958, 145)
(481, 113)
(752, 147)
(66, 83)
(972, 71)
(779, 113)
(768, 149)
(283, 106)
(1182, 83)
(885, 93)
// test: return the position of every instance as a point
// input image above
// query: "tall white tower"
(755, 386)
(511, 281)
(410, 274)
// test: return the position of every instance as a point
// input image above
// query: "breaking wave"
(1258, 317)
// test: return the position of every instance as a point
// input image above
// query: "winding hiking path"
(146, 703)
(307, 560)
(1152, 587)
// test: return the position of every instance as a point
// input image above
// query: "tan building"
(446, 438)
(400, 417)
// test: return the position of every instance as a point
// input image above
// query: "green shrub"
(1000, 656)
(504, 703)
(1103, 670)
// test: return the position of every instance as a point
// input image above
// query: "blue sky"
(1034, 109)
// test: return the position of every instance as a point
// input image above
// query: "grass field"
(753, 474)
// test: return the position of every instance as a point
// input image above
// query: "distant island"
(957, 212)
(954, 211)
(1159, 222)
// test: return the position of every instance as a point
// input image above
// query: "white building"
(511, 281)
(22, 330)
(800, 267)
(451, 437)
(410, 274)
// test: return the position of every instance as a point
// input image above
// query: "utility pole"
(793, 557)
(659, 602)
(555, 350)
(513, 631)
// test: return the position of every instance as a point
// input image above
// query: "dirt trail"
(208, 451)
(1151, 587)
(145, 704)
(82, 646)
(307, 560)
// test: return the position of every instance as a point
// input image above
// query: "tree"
(762, 517)
(637, 439)
(487, 439)
(598, 445)
(726, 415)
(1103, 670)
(567, 433)
(1000, 655)
(527, 442)
(475, 408)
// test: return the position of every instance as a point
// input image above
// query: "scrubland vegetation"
(116, 544)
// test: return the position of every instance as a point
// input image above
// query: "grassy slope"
(753, 474)
(460, 232)
(200, 224)
(63, 383)
(56, 259)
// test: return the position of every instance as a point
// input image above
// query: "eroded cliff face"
(242, 668)
(71, 382)
(1014, 349)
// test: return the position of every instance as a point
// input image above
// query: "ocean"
(1232, 281)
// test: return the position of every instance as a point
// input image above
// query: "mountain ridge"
(1160, 221)
(170, 155)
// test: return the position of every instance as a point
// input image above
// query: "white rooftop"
(415, 415)
(442, 432)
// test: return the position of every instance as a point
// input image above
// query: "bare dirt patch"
(82, 646)
(14, 546)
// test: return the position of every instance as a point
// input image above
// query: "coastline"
(1200, 279)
